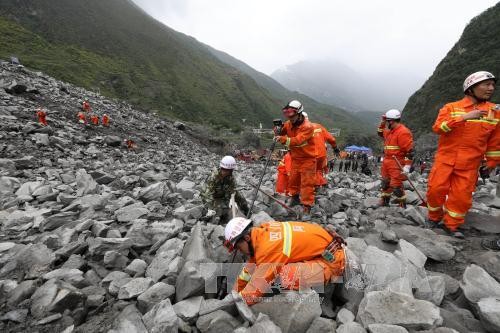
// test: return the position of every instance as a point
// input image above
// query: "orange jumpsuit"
(86, 106)
(321, 136)
(291, 251)
(82, 119)
(284, 168)
(105, 120)
(462, 145)
(42, 117)
(94, 119)
(398, 143)
(299, 139)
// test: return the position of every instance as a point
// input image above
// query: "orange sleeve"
(405, 142)
(245, 275)
(445, 123)
(304, 134)
(262, 277)
(493, 148)
(328, 137)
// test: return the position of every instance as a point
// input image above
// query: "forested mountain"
(477, 49)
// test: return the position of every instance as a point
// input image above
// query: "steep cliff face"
(477, 49)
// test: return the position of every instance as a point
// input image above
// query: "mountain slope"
(113, 45)
(329, 115)
(477, 49)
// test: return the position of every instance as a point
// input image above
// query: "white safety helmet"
(228, 162)
(305, 114)
(295, 105)
(233, 231)
(393, 114)
(477, 77)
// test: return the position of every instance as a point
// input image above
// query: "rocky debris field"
(95, 237)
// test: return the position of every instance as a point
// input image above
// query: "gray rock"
(433, 246)
(410, 252)
(32, 261)
(217, 321)
(356, 245)
(389, 236)
(383, 328)
(54, 296)
(381, 267)
(131, 212)
(18, 316)
(112, 141)
(113, 259)
(351, 327)
(136, 268)
(460, 319)
(161, 318)
(291, 311)
(322, 325)
(264, 324)
(386, 307)
(58, 220)
(160, 265)
(188, 212)
(186, 188)
(85, 183)
(432, 290)
(188, 309)
(372, 185)
(345, 316)
(490, 261)
(261, 217)
(371, 202)
(134, 288)
(99, 245)
(70, 275)
(414, 215)
(23, 291)
(489, 313)
(192, 278)
(154, 192)
(156, 293)
(196, 246)
(129, 320)
(477, 284)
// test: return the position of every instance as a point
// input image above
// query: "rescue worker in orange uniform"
(398, 143)
(86, 106)
(284, 169)
(94, 119)
(468, 130)
(42, 117)
(105, 120)
(321, 137)
(82, 119)
(300, 254)
(297, 135)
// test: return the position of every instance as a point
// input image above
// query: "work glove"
(281, 139)
(406, 169)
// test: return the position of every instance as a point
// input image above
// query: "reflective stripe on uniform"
(454, 214)
(444, 127)
(287, 238)
(287, 143)
(493, 153)
(244, 275)
(391, 147)
(433, 209)
(302, 145)
(386, 194)
(317, 130)
(485, 121)
(380, 130)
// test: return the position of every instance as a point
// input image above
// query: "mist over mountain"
(336, 83)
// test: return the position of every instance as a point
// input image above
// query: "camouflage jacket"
(217, 192)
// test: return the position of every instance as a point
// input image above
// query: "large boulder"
(130, 321)
(291, 311)
(55, 296)
(434, 246)
(477, 284)
(154, 192)
(161, 318)
(85, 183)
(387, 307)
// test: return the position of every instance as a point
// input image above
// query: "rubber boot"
(384, 201)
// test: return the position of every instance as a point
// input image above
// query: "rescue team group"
(85, 116)
(292, 252)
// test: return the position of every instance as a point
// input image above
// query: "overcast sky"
(377, 35)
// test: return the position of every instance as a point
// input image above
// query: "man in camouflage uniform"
(218, 189)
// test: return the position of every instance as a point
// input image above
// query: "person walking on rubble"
(301, 255)
(398, 144)
(42, 117)
(468, 131)
(297, 134)
(284, 169)
(219, 187)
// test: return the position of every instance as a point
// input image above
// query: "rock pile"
(96, 237)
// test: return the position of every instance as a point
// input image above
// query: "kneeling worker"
(300, 254)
